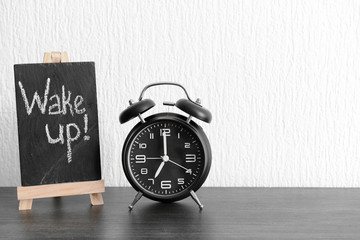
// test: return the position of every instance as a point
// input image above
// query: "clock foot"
(136, 199)
(196, 199)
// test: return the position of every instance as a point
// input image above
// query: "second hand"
(187, 170)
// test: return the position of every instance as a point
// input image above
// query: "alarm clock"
(166, 157)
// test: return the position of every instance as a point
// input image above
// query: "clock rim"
(197, 130)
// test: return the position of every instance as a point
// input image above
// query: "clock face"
(165, 158)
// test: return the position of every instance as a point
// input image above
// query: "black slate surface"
(54, 101)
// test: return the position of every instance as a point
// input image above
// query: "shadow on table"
(57, 220)
(61, 219)
(166, 219)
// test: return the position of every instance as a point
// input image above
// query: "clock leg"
(137, 198)
(196, 199)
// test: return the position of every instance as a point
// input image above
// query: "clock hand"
(187, 170)
(164, 158)
(151, 158)
(165, 144)
(159, 169)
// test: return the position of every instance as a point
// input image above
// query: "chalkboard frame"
(26, 194)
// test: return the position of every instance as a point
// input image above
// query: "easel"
(94, 188)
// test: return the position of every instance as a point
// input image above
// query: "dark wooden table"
(229, 213)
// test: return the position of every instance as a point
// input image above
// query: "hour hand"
(159, 169)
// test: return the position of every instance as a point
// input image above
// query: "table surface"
(229, 213)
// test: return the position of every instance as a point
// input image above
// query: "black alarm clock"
(166, 156)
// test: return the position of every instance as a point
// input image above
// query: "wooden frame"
(94, 188)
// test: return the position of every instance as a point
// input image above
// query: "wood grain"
(229, 213)
(96, 199)
(47, 57)
(25, 204)
(55, 57)
(64, 57)
(60, 189)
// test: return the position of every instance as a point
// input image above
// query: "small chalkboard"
(57, 123)
(57, 128)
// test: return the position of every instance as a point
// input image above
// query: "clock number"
(144, 171)
(190, 158)
(178, 135)
(140, 159)
(166, 184)
(142, 145)
(152, 180)
(165, 131)
(181, 181)
(187, 145)
(151, 135)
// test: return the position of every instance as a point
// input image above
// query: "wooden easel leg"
(96, 199)
(25, 204)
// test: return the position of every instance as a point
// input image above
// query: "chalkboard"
(57, 122)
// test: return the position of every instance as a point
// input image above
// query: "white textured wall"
(282, 79)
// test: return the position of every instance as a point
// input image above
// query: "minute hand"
(164, 144)
(187, 170)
